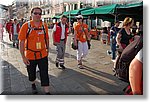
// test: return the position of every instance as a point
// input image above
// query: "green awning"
(56, 17)
(66, 13)
(76, 12)
(131, 5)
(108, 9)
(135, 10)
(88, 12)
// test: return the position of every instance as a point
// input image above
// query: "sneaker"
(113, 60)
(13, 44)
(62, 66)
(34, 90)
(108, 52)
(57, 64)
(80, 66)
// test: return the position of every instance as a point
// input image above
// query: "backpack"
(127, 90)
(124, 60)
(29, 31)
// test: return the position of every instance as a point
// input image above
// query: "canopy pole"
(69, 24)
(115, 17)
(69, 18)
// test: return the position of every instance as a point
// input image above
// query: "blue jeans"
(113, 49)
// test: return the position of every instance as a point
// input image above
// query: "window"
(75, 6)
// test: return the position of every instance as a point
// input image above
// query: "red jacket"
(12, 28)
(8, 26)
(57, 34)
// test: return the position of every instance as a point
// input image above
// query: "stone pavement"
(95, 79)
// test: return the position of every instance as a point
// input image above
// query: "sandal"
(80, 64)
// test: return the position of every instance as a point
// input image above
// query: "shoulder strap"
(29, 29)
(28, 32)
(44, 35)
(84, 32)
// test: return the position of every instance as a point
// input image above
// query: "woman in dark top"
(124, 36)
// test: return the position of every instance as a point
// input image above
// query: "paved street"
(96, 78)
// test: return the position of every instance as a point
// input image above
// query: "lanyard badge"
(84, 36)
(38, 43)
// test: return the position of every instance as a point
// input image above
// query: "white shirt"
(15, 29)
(139, 55)
(63, 30)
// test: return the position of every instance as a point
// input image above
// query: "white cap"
(79, 16)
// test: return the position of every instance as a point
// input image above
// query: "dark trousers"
(113, 49)
(43, 67)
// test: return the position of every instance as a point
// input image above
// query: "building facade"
(21, 9)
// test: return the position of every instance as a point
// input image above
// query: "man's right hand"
(26, 61)
(75, 42)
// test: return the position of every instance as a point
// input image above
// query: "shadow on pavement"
(15, 82)
(71, 82)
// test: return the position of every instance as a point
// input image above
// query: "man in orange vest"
(81, 38)
(60, 31)
(34, 45)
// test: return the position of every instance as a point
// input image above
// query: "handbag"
(73, 46)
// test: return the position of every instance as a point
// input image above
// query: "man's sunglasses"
(36, 13)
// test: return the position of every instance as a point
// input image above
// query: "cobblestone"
(96, 78)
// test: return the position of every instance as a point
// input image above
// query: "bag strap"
(30, 30)
(84, 32)
(44, 35)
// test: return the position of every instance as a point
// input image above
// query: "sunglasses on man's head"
(37, 13)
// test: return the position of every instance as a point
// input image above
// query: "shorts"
(43, 67)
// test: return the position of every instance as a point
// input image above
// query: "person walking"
(113, 33)
(21, 22)
(60, 32)
(123, 37)
(104, 35)
(81, 37)
(14, 30)
(8, 26)
(34, 49)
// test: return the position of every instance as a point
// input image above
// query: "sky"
(6, 2)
